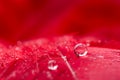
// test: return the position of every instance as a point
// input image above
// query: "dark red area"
(28, 19)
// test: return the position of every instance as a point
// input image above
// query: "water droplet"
(52, 65)
(80, 49)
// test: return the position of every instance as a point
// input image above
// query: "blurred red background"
(29, 19)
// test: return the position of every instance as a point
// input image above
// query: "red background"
(29, 19)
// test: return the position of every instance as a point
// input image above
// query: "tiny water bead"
(52, 65)
(80, 49)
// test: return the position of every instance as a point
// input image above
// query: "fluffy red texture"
(30, 61)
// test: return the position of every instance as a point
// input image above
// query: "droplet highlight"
(80, 49)
(52, 65)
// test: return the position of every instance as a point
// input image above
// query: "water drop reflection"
(52, 65)
(80, 49)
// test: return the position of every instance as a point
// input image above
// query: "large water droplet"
(52, 65)
(80, 49)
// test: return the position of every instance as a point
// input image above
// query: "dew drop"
(52, 65)
(80, 49)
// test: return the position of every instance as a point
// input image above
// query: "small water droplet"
(80, 49)
(52, 65)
